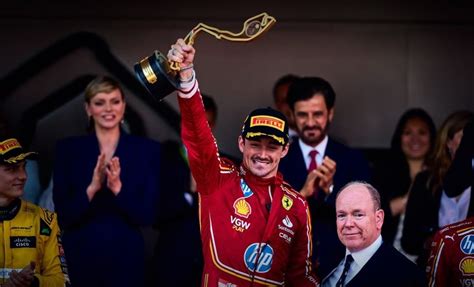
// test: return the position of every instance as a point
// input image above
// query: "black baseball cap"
(266, 122)
(11, 152)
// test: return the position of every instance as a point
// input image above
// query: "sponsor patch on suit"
(467, 244)
(258, 257)
(466, 266)
(286, 202)
(44, 228)
(242, 207)
(245, 188)
(22, 242)
(239, 224)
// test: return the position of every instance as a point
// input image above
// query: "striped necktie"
(347, 265)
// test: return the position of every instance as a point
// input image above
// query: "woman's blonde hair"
(101, 84)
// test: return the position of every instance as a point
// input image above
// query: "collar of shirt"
(321, 148)
(362, 257)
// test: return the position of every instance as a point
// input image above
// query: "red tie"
(313, 165)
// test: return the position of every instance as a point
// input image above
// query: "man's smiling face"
(262, 155)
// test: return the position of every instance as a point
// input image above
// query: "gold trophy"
(160, 76)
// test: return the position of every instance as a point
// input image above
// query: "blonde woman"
(105, 188)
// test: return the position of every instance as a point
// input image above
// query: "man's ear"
(331, 114)
(241, 144)
(379, 217)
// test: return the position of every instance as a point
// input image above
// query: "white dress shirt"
(360, 259)
(454, 209)
(320, 148)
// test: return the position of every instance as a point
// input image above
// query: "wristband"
(186, 81)
(186, 68)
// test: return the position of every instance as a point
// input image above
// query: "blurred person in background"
(280, 99)
(428, 207)
(412, 141)
(451, 259)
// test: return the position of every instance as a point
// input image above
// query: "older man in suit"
(368, 261)
(316, 164)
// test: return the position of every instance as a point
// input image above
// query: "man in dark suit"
(368, 261)
(333, 165)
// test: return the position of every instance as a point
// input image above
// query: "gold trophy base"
(156, 75)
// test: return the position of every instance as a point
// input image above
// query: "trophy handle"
(252, 28)
(160, 76)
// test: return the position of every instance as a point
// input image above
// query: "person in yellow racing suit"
(31, 252)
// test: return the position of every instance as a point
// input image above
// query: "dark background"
(381, 57)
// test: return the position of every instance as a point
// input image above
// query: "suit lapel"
(121, 145)
(330, 273)
(370, 271)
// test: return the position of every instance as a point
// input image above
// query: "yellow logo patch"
(242, 207)
(467, 266)
(287, 202)
(268, 122)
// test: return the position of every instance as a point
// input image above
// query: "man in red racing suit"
(451, 262)
(255, 228)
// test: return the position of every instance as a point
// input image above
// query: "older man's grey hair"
(372, 191)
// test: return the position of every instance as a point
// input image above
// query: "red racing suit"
(246, 241)
(451, 262)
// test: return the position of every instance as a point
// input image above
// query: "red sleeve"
(300, 271)
(200, 143)
(437, 263)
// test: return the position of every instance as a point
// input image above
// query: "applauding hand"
(113, 175)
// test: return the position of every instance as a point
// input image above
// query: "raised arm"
(195, 131)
